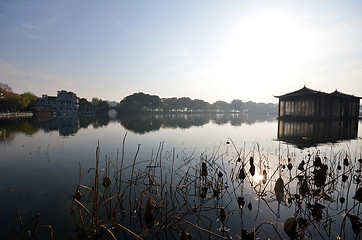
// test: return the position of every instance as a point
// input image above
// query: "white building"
(64, 104)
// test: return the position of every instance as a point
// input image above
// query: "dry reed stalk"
(267, 223)
(120, 173)
(24, 226)
(95, 193)
(173, 205)
(131, 180)
(200, 228)
(51, 231)
(123, 227)
(90, 214)
(173, 160)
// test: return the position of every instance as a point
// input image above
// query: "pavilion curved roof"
(310, 92)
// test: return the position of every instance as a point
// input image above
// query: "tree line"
(141, 102)
(136, 103)
(10, 102)
(13, 102)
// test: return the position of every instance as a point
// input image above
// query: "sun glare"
(267, 46)
(258, 177)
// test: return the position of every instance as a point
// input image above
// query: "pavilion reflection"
(308, 133)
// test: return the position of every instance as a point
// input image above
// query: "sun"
(267, 45)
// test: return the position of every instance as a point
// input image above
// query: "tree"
(154, 103)
(95, 101)
(85, 105)
(26, 101)
(169, 104)
(220, 106)
(184, 103)
(237, 105)
(9, 101)
(100, 105)
(70, 93)
(199, 105)
(139, 102)
(5, 87)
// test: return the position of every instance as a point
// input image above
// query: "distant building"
(310, 104)
(64, 104)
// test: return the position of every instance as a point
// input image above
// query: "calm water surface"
(41, 161)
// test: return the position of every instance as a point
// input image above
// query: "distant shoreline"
(15, 114)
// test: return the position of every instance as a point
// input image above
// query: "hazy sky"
(210, 50)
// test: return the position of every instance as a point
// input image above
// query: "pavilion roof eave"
(310, 92)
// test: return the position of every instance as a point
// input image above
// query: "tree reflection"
(143, 123)
(140, 123)
(66, 125)
(10, 127)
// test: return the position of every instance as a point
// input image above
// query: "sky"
(207, 49)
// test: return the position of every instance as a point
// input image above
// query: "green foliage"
(220, 106)
(170, 104)
(85, 106)
(184, 103)
(101, 106)
(140, 102)
(70, 93)
(9, 127)
(28, 128)
(26, 101)
(253, 107)
(199, 105)
(83, 103)
(14, 102)
(10, 101)
(237, 105)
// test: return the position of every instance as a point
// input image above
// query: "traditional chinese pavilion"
(316, 105)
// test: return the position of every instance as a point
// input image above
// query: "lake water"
(42, 163)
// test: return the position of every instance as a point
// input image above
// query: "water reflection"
(141, 123)
(304, 134)
(153, 122)
(231, 193)
(10, 127)
(68, 125)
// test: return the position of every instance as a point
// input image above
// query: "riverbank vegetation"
(13, 102)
